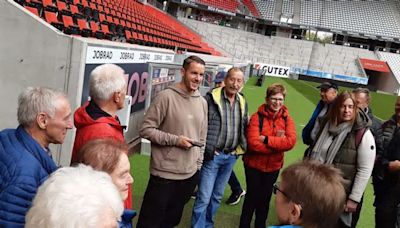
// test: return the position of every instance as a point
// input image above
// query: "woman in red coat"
(270, 133)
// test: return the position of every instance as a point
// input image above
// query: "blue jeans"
(214, 176)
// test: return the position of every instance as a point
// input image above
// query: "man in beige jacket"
(176, 125)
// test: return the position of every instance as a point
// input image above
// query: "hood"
(362, 120)
(182, 92)
(82, 118)
(263, 110)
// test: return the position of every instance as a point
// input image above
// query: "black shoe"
(194, 194)
(235, 197)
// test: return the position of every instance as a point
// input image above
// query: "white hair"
(35, 100)
(105, 80)
(74, 197)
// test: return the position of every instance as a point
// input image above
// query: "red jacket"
(269, 157)
(88, 129)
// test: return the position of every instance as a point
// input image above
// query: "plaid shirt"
(230, 123)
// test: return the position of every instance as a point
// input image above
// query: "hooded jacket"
(175, 112)
(89, 129)
(267, 156)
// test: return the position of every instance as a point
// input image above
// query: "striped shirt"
(230, 123)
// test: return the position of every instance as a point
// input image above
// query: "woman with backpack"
(270, 133)
(345, 141)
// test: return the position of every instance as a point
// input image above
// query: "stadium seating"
(288, 7)
(266, 8)
(393, 60)
(338, 59)
(252, 8)
(244, 46)
(366, 17)
(230, 5)
(118, 20)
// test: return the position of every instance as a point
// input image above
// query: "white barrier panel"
(101, 55)
(272, 70)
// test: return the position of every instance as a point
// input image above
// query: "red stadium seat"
(69, 26)
(82, 24)
(114, 19)
(49, 5)
(32, 10)
(63, 8)
(51, 18)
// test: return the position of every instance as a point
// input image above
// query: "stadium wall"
(36, 54)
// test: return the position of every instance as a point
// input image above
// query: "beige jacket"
(172, 113)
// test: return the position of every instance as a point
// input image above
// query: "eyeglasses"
(274, 99)
(276, 188)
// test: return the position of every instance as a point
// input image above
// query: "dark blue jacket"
(24, 166)
(306, 133)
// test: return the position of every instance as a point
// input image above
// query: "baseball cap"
(219, 77)
(327, 85)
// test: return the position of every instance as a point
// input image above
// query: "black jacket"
(388, 149)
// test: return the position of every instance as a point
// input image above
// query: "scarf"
(329, 142)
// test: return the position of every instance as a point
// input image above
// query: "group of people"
(196, 141)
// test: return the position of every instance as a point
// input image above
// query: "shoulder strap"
(359, 135)
(260, 121)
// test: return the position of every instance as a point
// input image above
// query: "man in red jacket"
(97, 118)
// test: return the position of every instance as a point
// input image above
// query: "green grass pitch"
(301, 100)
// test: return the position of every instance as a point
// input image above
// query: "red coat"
(88, 129)
(269, 157)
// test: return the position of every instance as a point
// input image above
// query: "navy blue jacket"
(126, 219)
(306, 133)
(24, 166)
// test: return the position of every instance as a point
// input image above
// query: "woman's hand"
(351, 206)
(394, 166)
(262, 138)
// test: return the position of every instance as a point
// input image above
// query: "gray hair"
(35, 100)
(362, 90)
(105, 80)
(74, 197)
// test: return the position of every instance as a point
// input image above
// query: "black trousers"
(164, 200)
(259, 190)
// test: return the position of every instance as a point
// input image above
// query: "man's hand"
(184, 142)
(394, 166)
(351, 206)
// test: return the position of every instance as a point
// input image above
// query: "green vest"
(346, 161)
